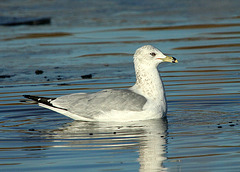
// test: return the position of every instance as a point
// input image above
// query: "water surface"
(201, 132)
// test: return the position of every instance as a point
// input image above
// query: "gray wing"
(88, 105)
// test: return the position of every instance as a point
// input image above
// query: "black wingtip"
(35, 98)
(31, 99)
(44, 100)
(26, 96)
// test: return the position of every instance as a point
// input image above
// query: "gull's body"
(145, 100)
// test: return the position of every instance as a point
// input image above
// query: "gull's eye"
(153, 54)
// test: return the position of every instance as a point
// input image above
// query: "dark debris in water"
(59, 77)
(39, 72)
(89, 76)
(31, 129)
(230, 123)
(63, 84)
(16, 21)
(6, 76)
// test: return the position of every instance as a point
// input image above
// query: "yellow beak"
(170, 59)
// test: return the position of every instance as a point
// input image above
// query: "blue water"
(201, 132)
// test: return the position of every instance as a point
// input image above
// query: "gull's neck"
(148, 82)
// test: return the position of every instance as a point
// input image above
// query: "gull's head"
(150, 55)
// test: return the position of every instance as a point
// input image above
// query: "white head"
(150, 55)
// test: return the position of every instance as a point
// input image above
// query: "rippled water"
(201, 132)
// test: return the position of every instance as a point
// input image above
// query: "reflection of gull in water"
(148, 137)
(145, 100)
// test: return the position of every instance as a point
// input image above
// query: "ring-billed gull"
(144, 100)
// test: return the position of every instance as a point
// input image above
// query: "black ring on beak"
(174, 60)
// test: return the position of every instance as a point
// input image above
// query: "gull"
(145, 100)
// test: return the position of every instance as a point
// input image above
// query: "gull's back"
(88, 105)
